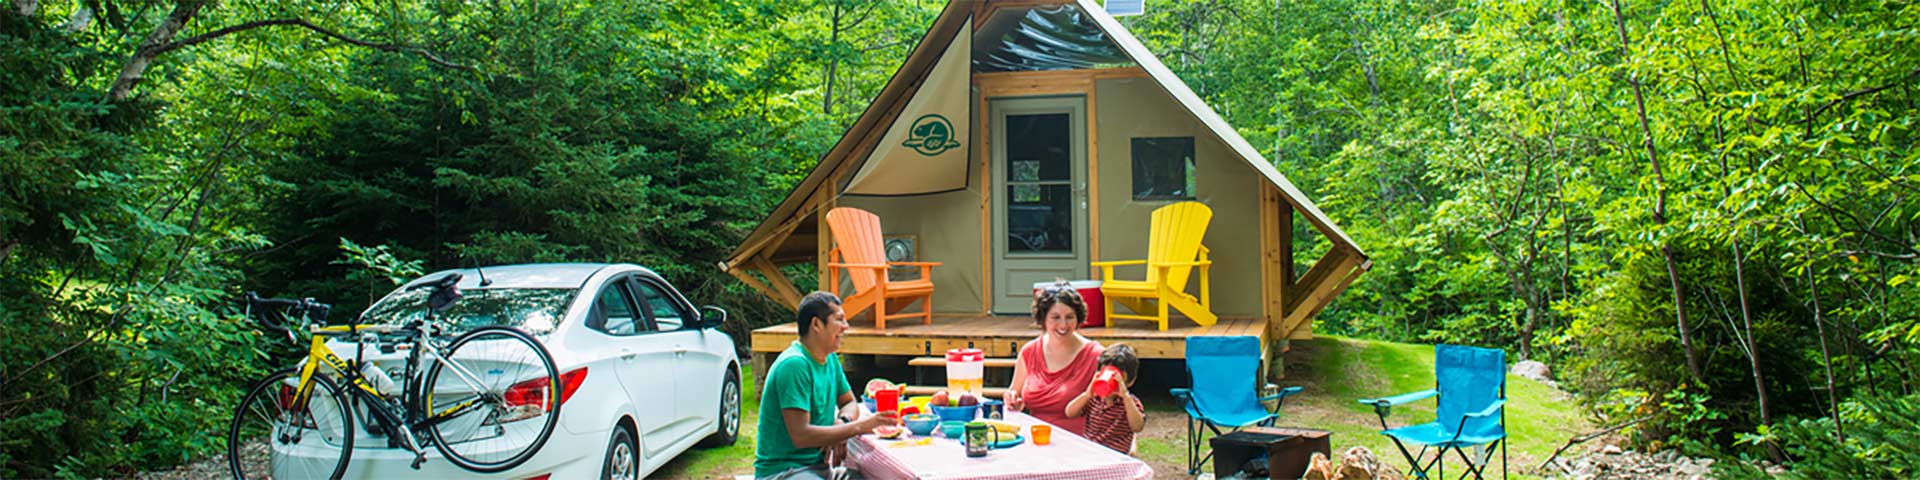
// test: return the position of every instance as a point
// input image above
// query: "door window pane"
(667, 315)
(1039, 218)
(613, 311)
(1163, 168)
(1038, 148)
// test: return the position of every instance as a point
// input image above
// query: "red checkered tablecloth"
(1068, 457)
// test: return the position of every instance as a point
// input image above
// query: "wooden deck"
(1001, 336)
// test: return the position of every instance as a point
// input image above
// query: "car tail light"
(528, 399)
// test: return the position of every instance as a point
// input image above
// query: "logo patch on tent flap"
(931, 135)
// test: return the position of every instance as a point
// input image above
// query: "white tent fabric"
(925, 150)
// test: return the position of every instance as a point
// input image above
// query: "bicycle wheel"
(271, 437)
(491, 402)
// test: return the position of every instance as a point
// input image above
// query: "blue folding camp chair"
(1226, 375)
(1472, 386)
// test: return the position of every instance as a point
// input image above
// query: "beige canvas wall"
(1129, 108)
(948, 229)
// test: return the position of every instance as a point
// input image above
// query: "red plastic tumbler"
(1105, 382)
(887, 400)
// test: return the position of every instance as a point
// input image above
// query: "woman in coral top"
(1058, 366)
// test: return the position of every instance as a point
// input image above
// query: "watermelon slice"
(888, 431)
(875, 385)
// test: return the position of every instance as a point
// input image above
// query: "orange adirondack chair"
(858, 250)
(1173, 253)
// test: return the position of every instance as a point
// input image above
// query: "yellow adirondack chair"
(1173, 253)
(858, 250)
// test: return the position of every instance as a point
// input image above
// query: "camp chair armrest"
(915, 264)
(1117, 263)
(1400, 399)
(1284, 393)
(873, 266)
(1183, 264)
(1490, 410)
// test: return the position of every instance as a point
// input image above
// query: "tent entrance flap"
(926, 148)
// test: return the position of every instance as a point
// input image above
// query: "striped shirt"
(1107, 422)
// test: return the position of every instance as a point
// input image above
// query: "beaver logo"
(931, 134)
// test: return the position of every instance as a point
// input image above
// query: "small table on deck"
(1068, 457)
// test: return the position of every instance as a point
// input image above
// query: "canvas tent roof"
(852, 153)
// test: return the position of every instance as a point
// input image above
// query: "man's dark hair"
(1059, 292)
(814, 305)
(1121, 356)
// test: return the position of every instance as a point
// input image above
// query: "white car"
(647, 375)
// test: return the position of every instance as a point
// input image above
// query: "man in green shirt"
(806, 405)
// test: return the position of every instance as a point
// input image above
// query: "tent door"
(1039, 196)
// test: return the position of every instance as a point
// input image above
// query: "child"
(1112, 420)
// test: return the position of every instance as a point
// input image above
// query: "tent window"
(1163, 168)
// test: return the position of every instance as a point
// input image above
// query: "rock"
(1610, 450)
(1532, 370)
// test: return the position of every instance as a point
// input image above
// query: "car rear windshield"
(535, 310)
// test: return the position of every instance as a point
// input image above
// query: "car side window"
(613, 311)
(668, 315)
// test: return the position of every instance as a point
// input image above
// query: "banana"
(1003, 427)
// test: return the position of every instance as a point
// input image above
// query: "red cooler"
(1090, 292)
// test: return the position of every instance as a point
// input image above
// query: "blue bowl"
(872, 405)
(921, 424)
(953, 429)
(956, 414)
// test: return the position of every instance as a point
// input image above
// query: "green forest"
(1703, 213)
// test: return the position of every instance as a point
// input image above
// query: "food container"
(922, 424)
(956, 413)
(965, 368)
(953, 429)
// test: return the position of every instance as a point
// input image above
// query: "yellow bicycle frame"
(321, 353)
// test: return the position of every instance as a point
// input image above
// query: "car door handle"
(626, 354)
(679, 350)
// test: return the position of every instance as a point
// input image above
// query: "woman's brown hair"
(1060, 292)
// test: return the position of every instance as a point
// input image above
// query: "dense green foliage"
(1539, 176)
(1496, 161)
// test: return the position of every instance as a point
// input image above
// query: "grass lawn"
(1335, 372)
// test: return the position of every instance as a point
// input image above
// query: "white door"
(1039, 196)
(642, 361)
(695, 370)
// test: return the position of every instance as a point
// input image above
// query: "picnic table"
(1068, 457)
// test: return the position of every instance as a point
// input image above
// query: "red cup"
(887, 400)
(1105, 382)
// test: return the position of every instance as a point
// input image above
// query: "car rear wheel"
(729, 417)
(623, 458)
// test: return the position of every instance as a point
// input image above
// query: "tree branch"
(302, 23)
(1860, 93)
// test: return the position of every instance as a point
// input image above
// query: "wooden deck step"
(942, 362)
(993, 393)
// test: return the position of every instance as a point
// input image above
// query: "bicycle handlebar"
(276, 313)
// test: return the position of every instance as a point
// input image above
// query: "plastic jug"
(965, 368)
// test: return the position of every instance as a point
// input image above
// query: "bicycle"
(299, 422)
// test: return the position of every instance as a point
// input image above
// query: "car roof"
(538, 275)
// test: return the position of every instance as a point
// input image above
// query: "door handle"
(626, 354)
(679, 350)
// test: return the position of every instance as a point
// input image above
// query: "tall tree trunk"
(1826, 359)
(833, 64)
(1659, 203)
(150, 48)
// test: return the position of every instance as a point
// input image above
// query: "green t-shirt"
(795, 381)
